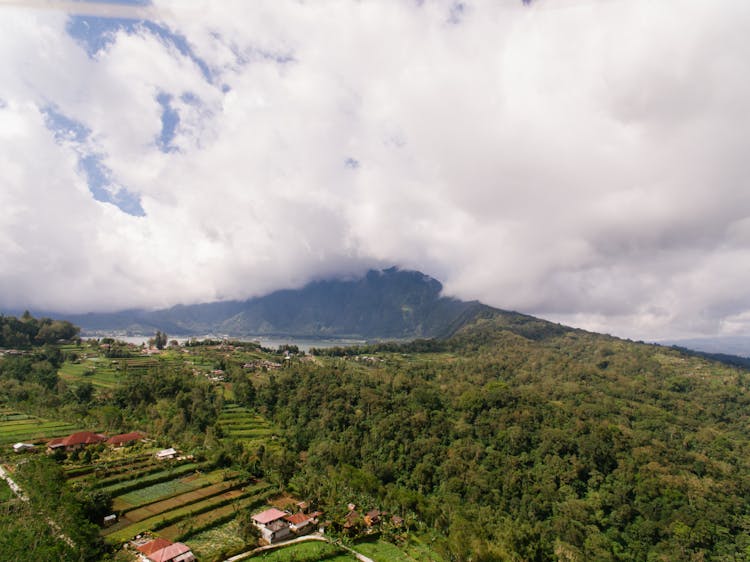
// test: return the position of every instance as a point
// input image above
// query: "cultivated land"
(249, 427)
(16, 427)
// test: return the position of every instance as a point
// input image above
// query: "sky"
(585, 161)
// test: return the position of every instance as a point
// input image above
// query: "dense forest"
(560, 445)
(515, 439)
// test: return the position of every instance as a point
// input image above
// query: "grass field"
(311, 551)
(5, 492)
(381, 550)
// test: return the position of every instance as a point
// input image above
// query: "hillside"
(383, 304)
(551, 444)
(513, 439)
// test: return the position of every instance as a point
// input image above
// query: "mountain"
(390, 303)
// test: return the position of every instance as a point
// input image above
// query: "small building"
(125, 439)
(76, 441)
(272, 525)
(162, 550)
(152, 546)
(110, 520)
(166, 454)
(300, 522)
(22, 447)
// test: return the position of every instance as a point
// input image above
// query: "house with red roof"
(272, 525)
(300, 522)
(152, 546)
(162, 550)
(76, 441)
(125, 439)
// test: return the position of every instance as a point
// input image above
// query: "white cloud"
(585, 163)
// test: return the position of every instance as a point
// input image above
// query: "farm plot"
(98, 371)
(135, 481)
(208, 518)
(172, 520)
(163, 490)
(207, 545)
(15, 427)
(240, 423)
(187, 498)
(112, 467)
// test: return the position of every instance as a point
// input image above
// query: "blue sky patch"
(63, 127)
(170, 120)
(97, 33)
(98, 176)
(99, 179)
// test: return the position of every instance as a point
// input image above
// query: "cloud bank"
(583, 161)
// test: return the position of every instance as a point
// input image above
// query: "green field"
(15, 426)
(108, 373)
(186, 498)
(182, 528)
(5, 492)
(208, 545)
(172, 524)
(241, 423)
(154, 477)
(311, 551)
(381, 550)
(163, 490)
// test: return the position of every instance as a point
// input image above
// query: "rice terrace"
(170, 481)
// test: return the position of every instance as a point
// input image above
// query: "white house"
(272, 525)
(165, 454)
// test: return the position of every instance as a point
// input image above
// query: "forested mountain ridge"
(556, 444)
(382, 304)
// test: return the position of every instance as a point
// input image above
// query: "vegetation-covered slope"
(514, 439)
(558, 444)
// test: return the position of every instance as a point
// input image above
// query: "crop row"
(106, 470)
(169, 518)
(109, 465)
(167, 489)
(140, 481)
(217, 516)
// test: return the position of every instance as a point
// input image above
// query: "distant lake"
(269, 342)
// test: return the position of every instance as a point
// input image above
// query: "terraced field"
(15, 427)
(129, 482)
(113, 467)
(180, 514)
(106, 373)
(221, 538)
(163, 490)
(199, 521)
(241, 423)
